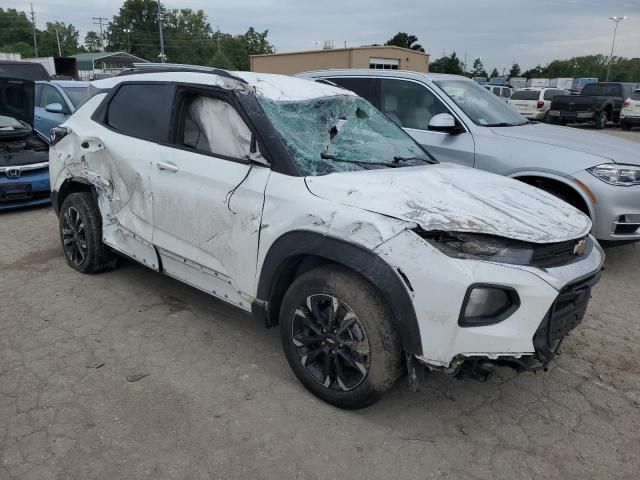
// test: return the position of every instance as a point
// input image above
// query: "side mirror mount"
(445, 123)
(54, 108)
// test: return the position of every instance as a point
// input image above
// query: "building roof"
(87, 61)
(325, 50)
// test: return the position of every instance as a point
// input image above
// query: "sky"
(530, 32)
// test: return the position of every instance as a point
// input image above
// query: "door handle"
(169, 167)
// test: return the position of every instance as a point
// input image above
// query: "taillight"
(626, 103)
(540, 104)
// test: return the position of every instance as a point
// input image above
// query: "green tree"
(54, 31)
(92, 41)
(141, 17)
(404, 40)
(220, 60)
(256, 43)
(535, 72)
(478, 68)
(515, 70)
(495, 73)
(16, 32)
(447, 64)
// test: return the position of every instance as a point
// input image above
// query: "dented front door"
(206, 215)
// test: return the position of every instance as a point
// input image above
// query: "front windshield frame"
(496, 112)
(353, 147)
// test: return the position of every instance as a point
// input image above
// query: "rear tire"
(80, 227)
(601, 121)
(339, 338)
(625, 126)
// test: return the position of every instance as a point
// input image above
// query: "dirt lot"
(220, 401)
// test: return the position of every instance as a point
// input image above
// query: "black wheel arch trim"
(298, 244)
(58, 196)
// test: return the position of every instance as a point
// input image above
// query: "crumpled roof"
(271, 86)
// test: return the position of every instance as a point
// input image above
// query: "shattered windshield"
(341, 133)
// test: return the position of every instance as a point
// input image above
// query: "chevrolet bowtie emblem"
(580, 247)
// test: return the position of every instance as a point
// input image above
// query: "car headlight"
(480, 247)
(615, 174)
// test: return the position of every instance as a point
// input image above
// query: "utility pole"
(615, 20)
(58, 40)
(99, 21)
(33, 22)
(162, 55)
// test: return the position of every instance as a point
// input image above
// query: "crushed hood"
(610, 148)
(17, 98)
(449, 197)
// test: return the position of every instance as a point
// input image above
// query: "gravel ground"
(217, 399)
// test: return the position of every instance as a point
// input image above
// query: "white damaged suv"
(301, 203)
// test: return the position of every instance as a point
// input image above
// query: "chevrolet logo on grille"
(580, 247)
(13, 172)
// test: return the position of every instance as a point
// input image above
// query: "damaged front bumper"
(553, 302)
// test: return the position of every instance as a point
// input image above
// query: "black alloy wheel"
(74, 240)
(332, 344)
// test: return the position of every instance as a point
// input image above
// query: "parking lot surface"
(130, 374)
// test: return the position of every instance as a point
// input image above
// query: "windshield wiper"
(398, 159)
(504, 124)
(328, 156)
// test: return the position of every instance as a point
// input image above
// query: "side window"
(142, 111)
(213, 126)
(506, 93)
(409, 104)
(51, 95)
(364, 87)
(549, 94)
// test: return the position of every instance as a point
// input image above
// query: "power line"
(99, 22)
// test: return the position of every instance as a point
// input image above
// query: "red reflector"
(540, 104)
(626, 104)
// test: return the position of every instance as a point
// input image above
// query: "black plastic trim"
(482, 321)
(301, 243)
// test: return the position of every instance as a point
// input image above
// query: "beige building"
(382, 57)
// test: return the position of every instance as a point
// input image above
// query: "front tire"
(339, 338)
(80, 229)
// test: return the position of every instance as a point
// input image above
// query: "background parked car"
(56, 101)
(534, 103)
(500, 91)
(458, 121)
(598, 102)
(24, 157)
(630, 114)
(26, 70)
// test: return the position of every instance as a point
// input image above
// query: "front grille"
(565, 314)
(556, 254)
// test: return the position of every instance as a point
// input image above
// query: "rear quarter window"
(142, 111)
(525, 95)
(635, 96)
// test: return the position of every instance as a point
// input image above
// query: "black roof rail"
(139, 68)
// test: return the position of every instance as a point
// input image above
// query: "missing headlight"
(480, 247)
